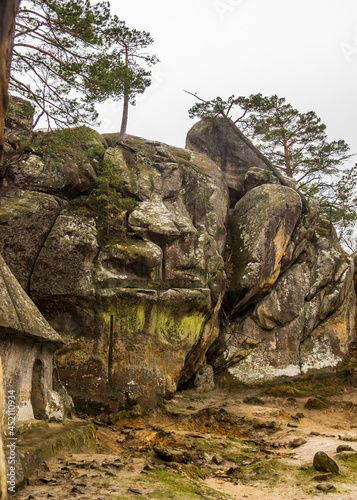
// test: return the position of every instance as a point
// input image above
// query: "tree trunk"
(124, 120)
(8, 9)
(287, 159)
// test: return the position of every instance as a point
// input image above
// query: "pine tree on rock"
(297, 144)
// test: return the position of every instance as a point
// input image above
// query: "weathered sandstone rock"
(135, 309)
(64, 265)
(63, 177)
(18, 131)
(26, 218)
(298, 327)
(217, 139)
(261, 226)
(141, 308)
(290, 302)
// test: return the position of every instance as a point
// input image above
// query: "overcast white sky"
(305, 51)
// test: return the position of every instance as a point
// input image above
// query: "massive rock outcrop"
(147, 308)
(138, 311)
(290, 302)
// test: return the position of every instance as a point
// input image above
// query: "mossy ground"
(309, 386)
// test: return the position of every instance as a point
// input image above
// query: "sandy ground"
(223, 431)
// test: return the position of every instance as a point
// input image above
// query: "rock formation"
(134, 308)
(291, 298)
(216, 138)
(147, 308)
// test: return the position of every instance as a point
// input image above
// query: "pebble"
(148, 467)
(217, 459)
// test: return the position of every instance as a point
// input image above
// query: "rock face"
(18, 131)
(146, 309)
(290, 302)
(134, 309)
(261, 227)
(218, 140)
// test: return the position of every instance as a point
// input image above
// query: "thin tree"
(132, 45)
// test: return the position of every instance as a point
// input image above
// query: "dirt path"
(237, 446)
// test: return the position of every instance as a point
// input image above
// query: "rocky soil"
(217, 445)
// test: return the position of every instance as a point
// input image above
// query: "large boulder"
(64, 177)
(218, 139)
(26, 218)
(61, 162)
(261, 226)
(64, 266)
(290, 303)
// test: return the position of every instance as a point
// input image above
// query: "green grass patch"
(310, 385)
(271, 471)
(172, 485)
(348, 469)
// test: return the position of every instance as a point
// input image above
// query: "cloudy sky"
(305, 51)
